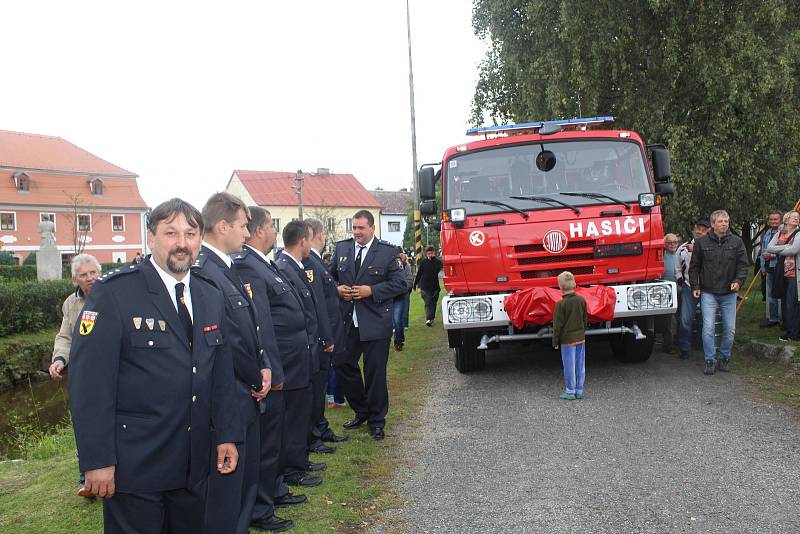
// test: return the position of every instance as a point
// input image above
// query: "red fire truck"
(528, 201)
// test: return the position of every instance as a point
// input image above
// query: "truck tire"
(628, 350)
(468, 358)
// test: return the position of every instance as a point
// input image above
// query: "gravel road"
(655, 447)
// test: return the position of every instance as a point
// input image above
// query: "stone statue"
(48, 258)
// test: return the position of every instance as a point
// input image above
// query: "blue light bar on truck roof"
(484, 130)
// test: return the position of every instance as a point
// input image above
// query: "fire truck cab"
(528, 201)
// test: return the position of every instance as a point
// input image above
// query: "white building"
(395, 206)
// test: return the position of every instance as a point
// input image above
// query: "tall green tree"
(716, 81)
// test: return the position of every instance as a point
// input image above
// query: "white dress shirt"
(227, 259)
(170, 282)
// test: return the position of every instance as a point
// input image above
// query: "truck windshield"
(614, 169)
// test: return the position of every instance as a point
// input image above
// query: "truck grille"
(547, 273)
(555, 258)
(537, 247)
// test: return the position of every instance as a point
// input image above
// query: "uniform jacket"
(330, 298)
(141, 398)
(70, 311)
(286, 316)
(315, 275)
(380, 269)
(241, 329)
(717, 262)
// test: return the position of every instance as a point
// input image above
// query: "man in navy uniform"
(284, 337)
(225, 218)
(150, 383)
(296, 240)
(325, 292)
(369, 277)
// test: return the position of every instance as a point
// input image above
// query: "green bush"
(24, 355)
(110, 266)
(7, 259)
(30, 259)
(31, 306)
(15, 273)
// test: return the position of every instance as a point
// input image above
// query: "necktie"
(183, 311)
(358, 258)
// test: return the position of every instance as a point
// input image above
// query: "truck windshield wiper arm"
(547, 199)
(500, 204)
(599, 195)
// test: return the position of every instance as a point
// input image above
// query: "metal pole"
(299, 181)
(414, 172)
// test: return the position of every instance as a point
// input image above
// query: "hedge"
(30, 306)
(111, 266)
(24, 356)
(11, 273)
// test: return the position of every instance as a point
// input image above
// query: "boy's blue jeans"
(709, 303)
(400, 317)
(574, 359)
(688, 307)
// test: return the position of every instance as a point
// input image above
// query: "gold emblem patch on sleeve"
(310, 275)
(88, 319)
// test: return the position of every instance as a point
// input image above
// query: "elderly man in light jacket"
(85, 270)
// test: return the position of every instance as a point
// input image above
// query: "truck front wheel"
(468, 357)
(628, 349)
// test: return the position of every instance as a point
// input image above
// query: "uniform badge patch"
(88, 319)
(278, 280)
(310, 275)
(150, 323)
(249, 290)
(162, 325)
(137, 322)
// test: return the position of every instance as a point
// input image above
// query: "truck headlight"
(649, 297)
(458, 214)
(469, 310)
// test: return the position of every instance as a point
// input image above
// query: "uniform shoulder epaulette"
(240, 255)
(382, 242)
(113, 273)
(347, 240)
(200, 261)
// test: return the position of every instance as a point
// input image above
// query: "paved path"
(656, 447)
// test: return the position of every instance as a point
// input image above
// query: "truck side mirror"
(666, 189)
(662, 171)
(427, 207)
(427, 184)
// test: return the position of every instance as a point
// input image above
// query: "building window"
(84, 222)
(349, 224)
(23, 182)
(44, 217)
(118, 223)
(8, 221)
(96, 185)
(331, 225)
(394, 226)
(277, 224)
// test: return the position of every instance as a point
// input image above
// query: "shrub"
(22, 356)
(110, 266)
(31, 306)
(30, 259)
(15, 273)
(7, 259)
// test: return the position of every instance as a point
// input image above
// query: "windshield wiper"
(599, 195)
(499, 204)
(547, 199)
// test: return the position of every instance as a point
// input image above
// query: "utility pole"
(299, 187)
(415, 172)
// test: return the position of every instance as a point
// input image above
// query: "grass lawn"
(771, 381)
(37, 494)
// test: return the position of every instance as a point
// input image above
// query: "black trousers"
(231, 498)
(368, 397)
(318, 423)
(294, 444)
(431, 299)
(177, 511)
(271, 438)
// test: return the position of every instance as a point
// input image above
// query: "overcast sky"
(182, 93)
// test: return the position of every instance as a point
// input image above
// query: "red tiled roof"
(44, 152)
(271, 188)
(55, 190)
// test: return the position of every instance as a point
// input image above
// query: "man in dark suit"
(325, 292)
(225, 218)
(296, 240)
(369, 277)
(285, 339)
(150, 376)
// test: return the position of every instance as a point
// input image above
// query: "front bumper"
(488, 311)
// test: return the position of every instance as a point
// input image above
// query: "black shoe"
(355, 422)
(710, 367)
(316, 466)
(377, 433)
(398, 347)
(784, 338)
(769, 324)
(289, 499)
(272, 524)
(684, 355)
(322, 449)
(723, 366)
(333, 438)
(307, 481)
(428, 323)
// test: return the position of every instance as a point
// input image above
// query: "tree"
(77, 218)
(334, 227)
(30, 259)
(715, 81)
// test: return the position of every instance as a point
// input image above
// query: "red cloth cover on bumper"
(535, 305)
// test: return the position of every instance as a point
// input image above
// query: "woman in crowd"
(786, 244)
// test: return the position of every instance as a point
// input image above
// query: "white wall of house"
(393, 228)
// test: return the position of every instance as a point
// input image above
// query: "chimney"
(323, 171)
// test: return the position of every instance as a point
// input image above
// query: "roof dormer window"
(22, 181)
(96, 186)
